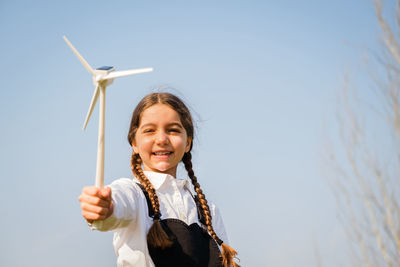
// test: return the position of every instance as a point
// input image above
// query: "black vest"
(192, 245)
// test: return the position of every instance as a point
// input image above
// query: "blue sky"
(261, 77)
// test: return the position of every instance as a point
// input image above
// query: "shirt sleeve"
(218, 224)
(124, 196)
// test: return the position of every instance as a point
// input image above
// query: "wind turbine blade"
(117, 74)
(92, 105)
(82, 60)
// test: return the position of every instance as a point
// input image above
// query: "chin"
(162, 167)
(166, 169)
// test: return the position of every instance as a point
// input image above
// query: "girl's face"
(161, 139)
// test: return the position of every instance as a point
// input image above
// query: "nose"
(161, 138)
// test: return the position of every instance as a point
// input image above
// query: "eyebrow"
(168, 125)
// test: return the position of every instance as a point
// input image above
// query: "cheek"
(180, 142)
(144, 145)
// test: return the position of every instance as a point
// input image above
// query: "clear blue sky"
(260, 75)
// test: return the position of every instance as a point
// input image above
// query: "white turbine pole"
(100, 142)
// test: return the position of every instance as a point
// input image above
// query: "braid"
(187, 160)
(228, 253)
(156, 236)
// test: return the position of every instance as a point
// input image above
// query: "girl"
(156, 219)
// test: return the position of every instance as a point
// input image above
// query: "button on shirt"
(131, 222)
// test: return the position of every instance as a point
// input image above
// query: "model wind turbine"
(102, 77)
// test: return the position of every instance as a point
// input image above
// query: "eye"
(175, 130)
(148, 130)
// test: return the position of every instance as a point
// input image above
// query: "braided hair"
(156, 236)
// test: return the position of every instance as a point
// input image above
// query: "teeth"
(161, 153)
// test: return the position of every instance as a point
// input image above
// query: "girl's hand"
(96, 203)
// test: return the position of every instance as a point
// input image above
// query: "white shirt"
(131, 222)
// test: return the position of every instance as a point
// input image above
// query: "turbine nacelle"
(100, 74)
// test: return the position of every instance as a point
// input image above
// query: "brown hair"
(156, 235)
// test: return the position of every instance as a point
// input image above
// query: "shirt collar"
(157, 179)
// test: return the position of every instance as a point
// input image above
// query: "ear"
(189, 143)
(135, 149)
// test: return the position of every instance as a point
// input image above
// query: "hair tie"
(156, 216)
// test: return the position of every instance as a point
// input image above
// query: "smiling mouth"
(162, 153)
